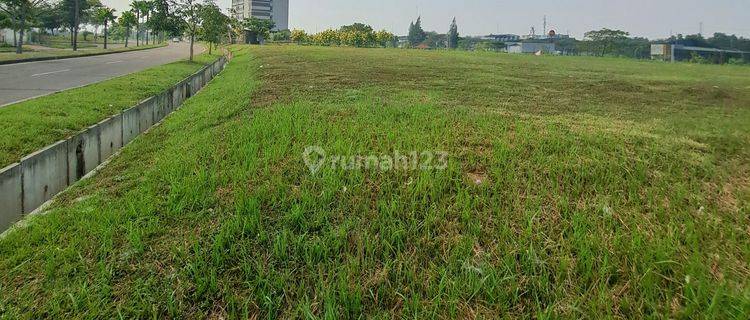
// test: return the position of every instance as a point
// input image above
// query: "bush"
(696, 58)
(299, 36)
(280, 36)
(736, 61)
(355, 37)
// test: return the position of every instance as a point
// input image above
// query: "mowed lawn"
(30, 125)
(575, 188)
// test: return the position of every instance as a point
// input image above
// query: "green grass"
(33, 124)
(67, 45)
(62, 51)
(609, 189)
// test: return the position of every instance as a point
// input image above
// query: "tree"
(104, 15)
(281, 35)
(385, 38)
(299, 36)
(214, 23)
(4, 20)
(189, 13)
(51, 17)
(357, 35)
(77, 12)
(606, 39)
(21, 13)
(139, 8)
(163, 20)
(356, 27)
(261, 27)
(435, 40)
(416, 33)
(149, 7)
(127, 21)
(453, 35)
(235, 26)
(327, 38)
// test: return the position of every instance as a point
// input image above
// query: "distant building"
(6, 36)
(502, 37)
(403, 41)
(549, 36)
(531, 47)
(276, 10)
(676, 52)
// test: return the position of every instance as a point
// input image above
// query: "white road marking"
(111, 62)
(46, 73)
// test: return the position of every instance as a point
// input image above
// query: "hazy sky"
(650, 18)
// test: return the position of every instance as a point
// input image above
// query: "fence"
(38, 177)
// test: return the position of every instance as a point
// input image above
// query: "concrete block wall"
(25, 186)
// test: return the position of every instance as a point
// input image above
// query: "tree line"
(147, 21)
(355, 35)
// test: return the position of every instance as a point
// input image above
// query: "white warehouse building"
(531, 47)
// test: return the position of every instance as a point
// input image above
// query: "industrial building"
(676, 52)
(502, 37)
(276, 10)
(531, 47)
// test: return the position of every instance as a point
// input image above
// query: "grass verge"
(33, 124)
(9, 56)
(575, 188)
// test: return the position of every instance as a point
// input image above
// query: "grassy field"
(574, 187)
(33, 124)
(10, 54)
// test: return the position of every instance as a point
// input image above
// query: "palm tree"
(148, 7)
(139, 7)
(20, 13)
(127, 20)
(105, 15)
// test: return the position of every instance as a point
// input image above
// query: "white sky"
(649, 18)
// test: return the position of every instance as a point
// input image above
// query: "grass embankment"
(67, 53)
(33, 124)
(607, 188)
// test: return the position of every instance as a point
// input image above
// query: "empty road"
(32, 79)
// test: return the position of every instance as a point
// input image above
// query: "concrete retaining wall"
(110, 136)
(178, 95)
(161, 106)
(40, 176)
(146, 114)
(130, 125)
(11, 195)
(83, 153)
(44, 174)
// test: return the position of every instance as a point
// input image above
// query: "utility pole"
(544, 30)
(700, 28)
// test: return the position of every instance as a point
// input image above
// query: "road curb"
(7, 62)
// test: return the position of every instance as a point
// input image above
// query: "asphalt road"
(33, 79)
